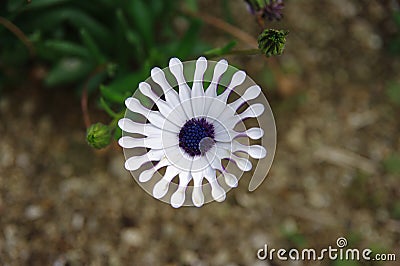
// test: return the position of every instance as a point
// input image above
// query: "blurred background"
(335, 93)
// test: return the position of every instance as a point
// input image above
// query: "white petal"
(197, 195)
(201, 67)
(163, 107)
(215, 162)
(176, 68)
(155, 118)
(219, 70)
(216, 190)
(146, 90)
(130, 126)
(230, 179)
(148, 174)
(216, 108)
(227, 114)
(223, 136)
(250, 94)
(237, 79)
(254, 110)
(255, 151)
(135, 162)
(171, 95)
(243, 163)
(178, 198)
(198, 104)
(199, 164)
(198, 99)
(224, 152)
(253, 133)
(211, 92)
(161, 188)
(179, 158)
(169, 140)
(228, 135)
(128, 142)
(177, 115)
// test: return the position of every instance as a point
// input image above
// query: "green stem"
(107, 108)
(113, 124)
(237, 52)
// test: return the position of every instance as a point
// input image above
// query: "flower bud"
(269, 9)
(98, 135)
(272, 42)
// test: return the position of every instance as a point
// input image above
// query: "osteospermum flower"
(189, 132)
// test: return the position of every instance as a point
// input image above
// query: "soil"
(63, 203)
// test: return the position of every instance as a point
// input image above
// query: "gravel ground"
(62, 203)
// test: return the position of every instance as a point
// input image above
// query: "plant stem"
(84, 106)
(19, 33)
(84, 97)
(237, 52)
(107, 108)
(113, 124)
(223, 25)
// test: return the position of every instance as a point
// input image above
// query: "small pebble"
(132, 237)
(33, 212)
(77, 221)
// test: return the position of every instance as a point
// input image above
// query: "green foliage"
(394, 44)
(392, 164)
(393, 92)
(294, 237)
(106, 46)
(221, 50)
(345, 263)
(395, 210)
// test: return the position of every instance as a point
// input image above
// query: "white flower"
(190, 133)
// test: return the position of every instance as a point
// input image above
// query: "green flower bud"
(98, 135)
(272, 42)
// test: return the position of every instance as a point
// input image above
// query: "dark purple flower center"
(191, 134)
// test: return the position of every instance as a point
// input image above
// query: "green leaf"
(393, 92)
(52, 20)
(131, 36)
(92, 47)
(158, 7)
(107, 108)
(142, 20)
(42, 4)
(117, 133)
(227, 11)
(396, 17)
(112, 95)
(392, 164)
(189, 40)
(66, 48)
(128, 83)
(221, 50)
(95, 80)
(192, 5)
(68, 70)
